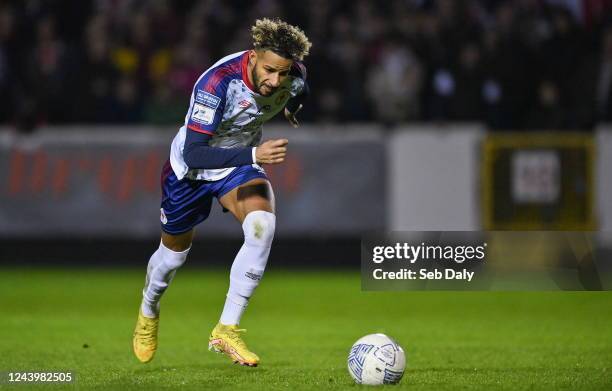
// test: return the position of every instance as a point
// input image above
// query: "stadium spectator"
(7, 63)
(95, 75)
(403, 60)
(394, 84)
(548, 112)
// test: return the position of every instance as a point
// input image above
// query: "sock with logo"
(249, 264)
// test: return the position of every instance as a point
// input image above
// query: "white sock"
(249, 264)
(160, 271)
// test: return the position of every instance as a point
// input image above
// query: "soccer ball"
(376, 359)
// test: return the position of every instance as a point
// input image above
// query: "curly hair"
(281, 38)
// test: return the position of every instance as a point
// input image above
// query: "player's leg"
(163, 264)
(253, 206)
(184, 205)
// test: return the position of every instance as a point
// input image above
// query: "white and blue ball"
(376, 359)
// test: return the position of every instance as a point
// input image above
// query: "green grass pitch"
(302, 325)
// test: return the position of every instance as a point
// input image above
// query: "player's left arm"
(295, 103)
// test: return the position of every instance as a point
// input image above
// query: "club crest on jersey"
(244, 104)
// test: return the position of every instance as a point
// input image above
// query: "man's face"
(269, 70)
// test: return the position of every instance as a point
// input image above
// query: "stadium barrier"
(105, 182)
(102, 184)
(340, 180)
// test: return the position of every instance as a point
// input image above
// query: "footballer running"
(217, 153)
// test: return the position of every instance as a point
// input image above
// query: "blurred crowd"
(523, 64)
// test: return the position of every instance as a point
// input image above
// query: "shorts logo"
(259, 168)
(162, 217)
(207, 99)
(202, 114)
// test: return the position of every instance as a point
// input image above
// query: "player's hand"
(291, 116)
(272, 151)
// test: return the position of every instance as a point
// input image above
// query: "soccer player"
(217, 153)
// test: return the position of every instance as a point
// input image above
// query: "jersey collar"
(245, 71)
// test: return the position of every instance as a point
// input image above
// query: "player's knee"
(259, 227)
(177, 243)
(172, 260)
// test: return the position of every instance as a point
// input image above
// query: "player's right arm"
(198, 154)
(204, 117)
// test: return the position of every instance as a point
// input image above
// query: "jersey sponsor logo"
(207, 99)
(202, 114)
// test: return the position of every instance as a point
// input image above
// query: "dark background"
(524, 66)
